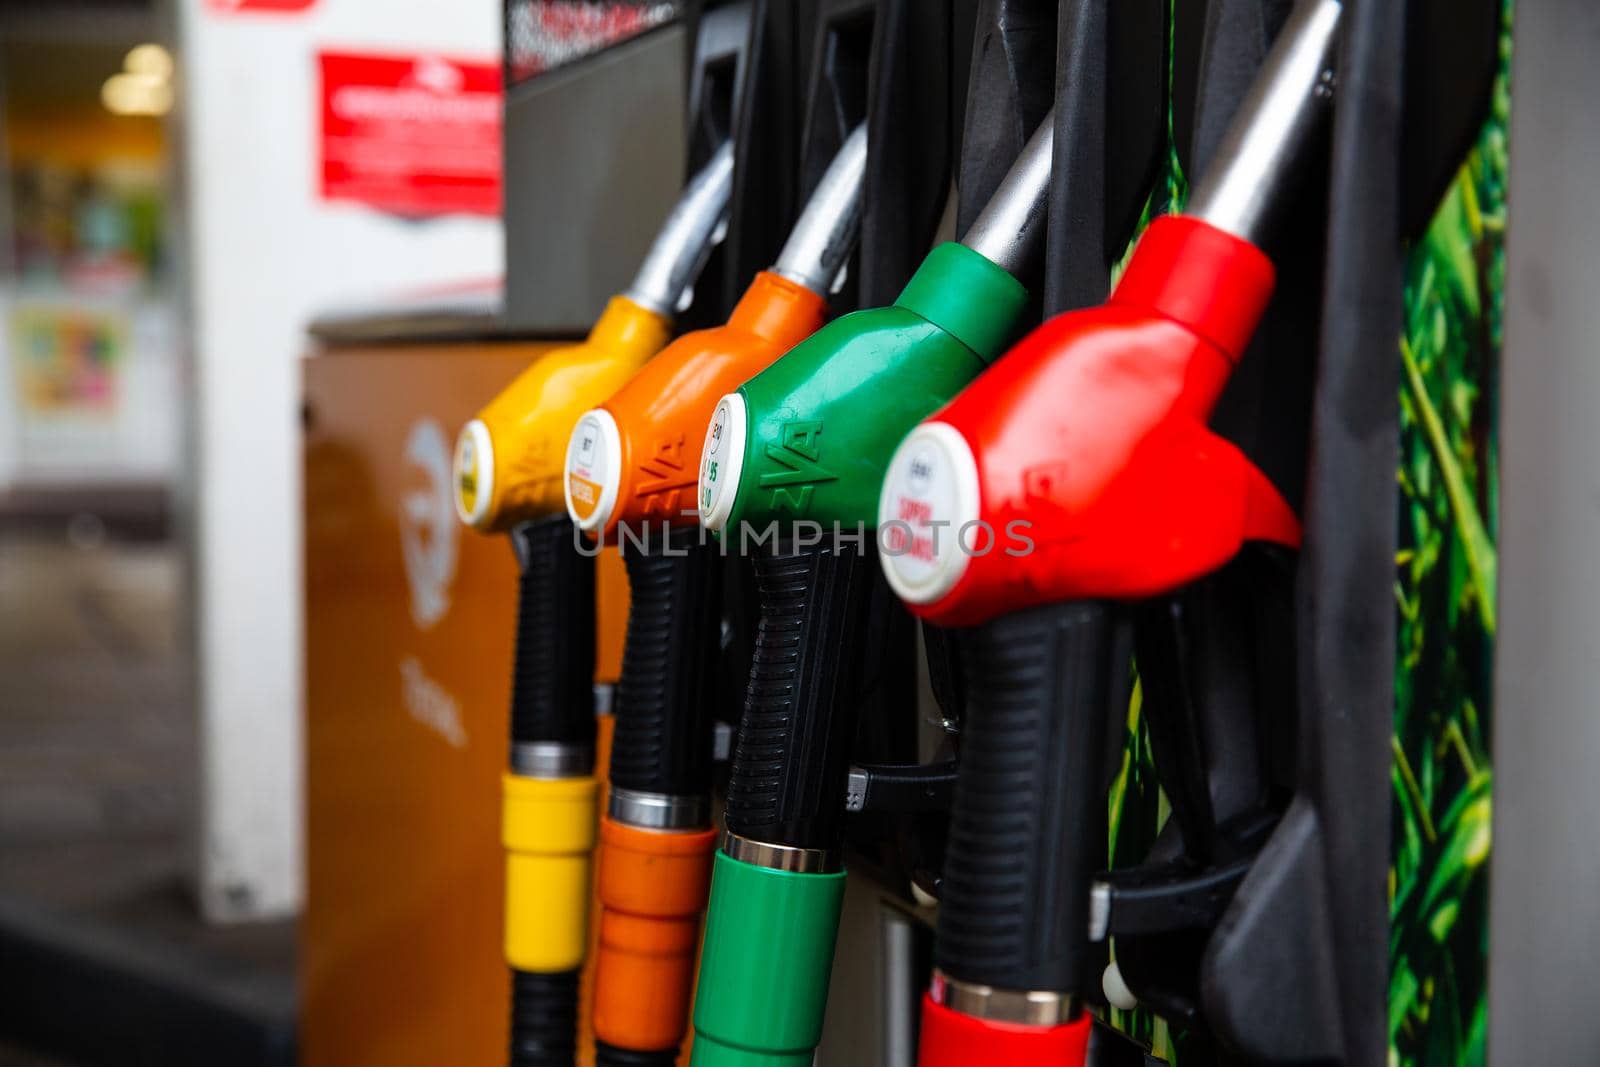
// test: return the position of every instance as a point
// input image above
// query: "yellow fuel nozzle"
(510, 459)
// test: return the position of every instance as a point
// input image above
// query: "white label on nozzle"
(721, 461)
(928, 514)
(473, 473)
(594, 466)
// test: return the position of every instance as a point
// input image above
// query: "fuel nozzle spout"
(667, 275)
(1009, 231)
(826, 231)
(1286, 109)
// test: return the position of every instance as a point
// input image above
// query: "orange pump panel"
(409, 621)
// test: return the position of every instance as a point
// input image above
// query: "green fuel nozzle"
(808, 438)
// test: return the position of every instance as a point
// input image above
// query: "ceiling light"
(151, 59)
(136, 94)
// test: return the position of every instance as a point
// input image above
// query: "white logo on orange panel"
(427, 702)
(428, 524)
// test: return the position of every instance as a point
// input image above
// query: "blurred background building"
(185, 184)
(98, 734)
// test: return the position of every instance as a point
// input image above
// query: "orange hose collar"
(653, 887)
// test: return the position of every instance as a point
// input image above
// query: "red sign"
(413, 135)
(231, 6)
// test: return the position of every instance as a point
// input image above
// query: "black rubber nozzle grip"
(612, 1056)
(1028, 827)
(552, 681)
(664, 718)
(544, 1019)
(786, 783)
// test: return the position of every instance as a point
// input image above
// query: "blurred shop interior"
(97, 726)
(146, 144)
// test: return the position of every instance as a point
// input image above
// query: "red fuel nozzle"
(1080, 465)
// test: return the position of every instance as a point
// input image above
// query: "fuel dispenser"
(1162, 511)
(778, 883)
(1206, 622)
(1090, 442)
(508, 477)
(629, 465)
(1151, 538)
(631, 473)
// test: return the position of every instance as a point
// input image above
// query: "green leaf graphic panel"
(1444, 590)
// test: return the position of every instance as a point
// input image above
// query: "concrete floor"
(97, 741)
(96, 732)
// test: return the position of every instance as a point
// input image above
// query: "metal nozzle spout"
(821, 240)
(681, 248)
(1286, 107)
(1009, 231)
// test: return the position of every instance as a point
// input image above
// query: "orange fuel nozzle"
(637, 457)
